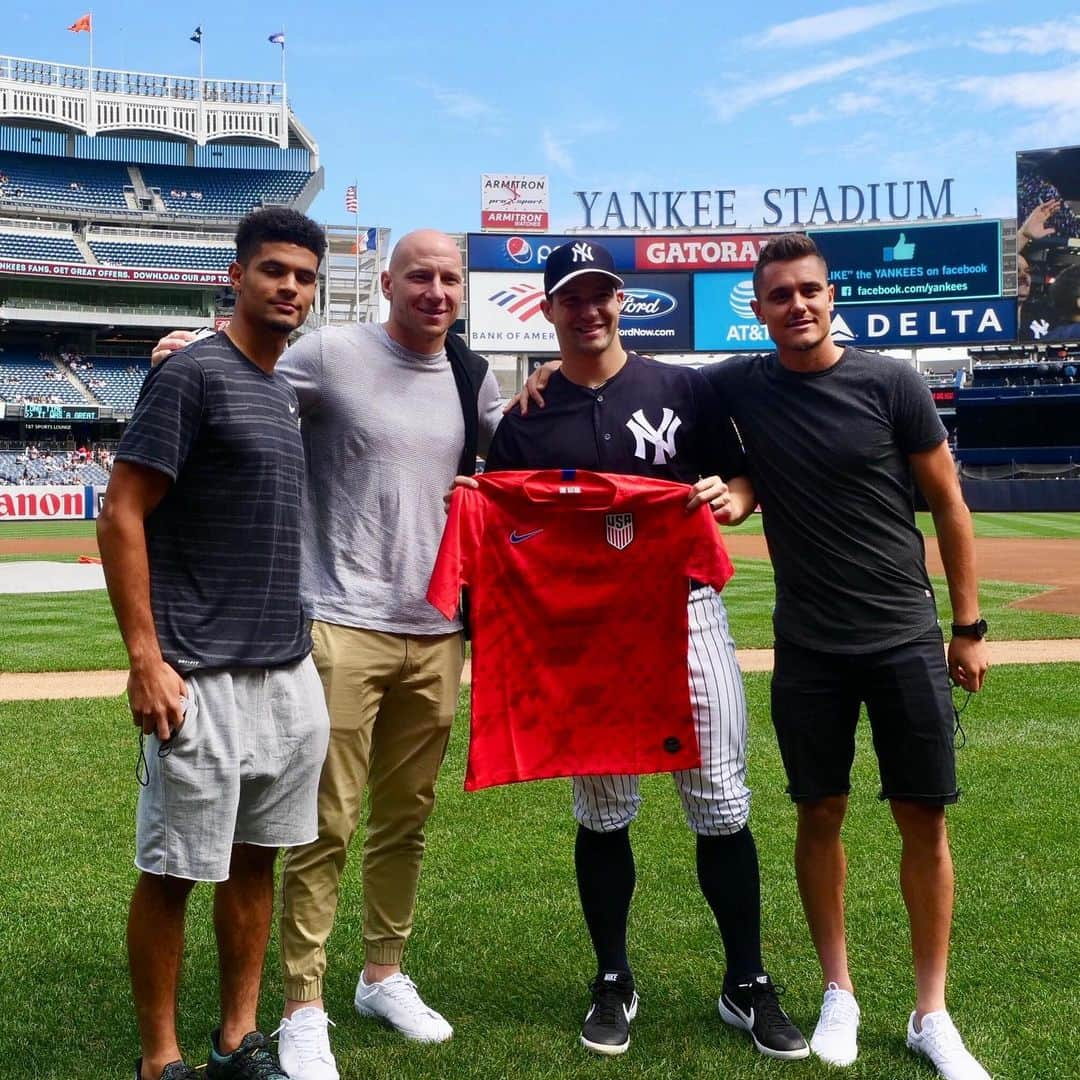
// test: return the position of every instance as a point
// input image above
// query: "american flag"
(350, 199)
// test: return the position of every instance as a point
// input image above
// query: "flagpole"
(356, 248)
(282, 59)
(91, 125)
(202, 89)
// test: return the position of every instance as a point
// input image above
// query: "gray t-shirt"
(828, 455)
(383, 431)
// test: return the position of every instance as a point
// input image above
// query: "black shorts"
(815, 708)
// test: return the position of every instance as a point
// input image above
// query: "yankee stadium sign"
(894, 200)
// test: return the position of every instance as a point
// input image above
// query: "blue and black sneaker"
(175, 1070)
(251, 1060)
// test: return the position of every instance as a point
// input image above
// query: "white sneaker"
(395, 1000)
(834, 1038)
(304, 1046)
(941, 1043)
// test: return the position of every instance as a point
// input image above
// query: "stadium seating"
(222, 192)
(45, 247)
(116, 382)
(62, 182)
(16, 467)
(162, 255)
(26, 377)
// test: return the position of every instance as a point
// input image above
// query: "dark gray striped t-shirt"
(224, 543)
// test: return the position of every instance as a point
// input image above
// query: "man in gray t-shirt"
(389, 415)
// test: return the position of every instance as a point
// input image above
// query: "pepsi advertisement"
(905, 263)
(490, 251)
(655, 313)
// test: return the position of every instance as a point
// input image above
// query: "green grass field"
(81, 634)
(499, 942)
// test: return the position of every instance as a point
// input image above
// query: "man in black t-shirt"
(615, 412)
(200, 541)
(834, 439)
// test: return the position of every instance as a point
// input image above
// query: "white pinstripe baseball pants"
(715, 797)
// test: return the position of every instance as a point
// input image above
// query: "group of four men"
(222, 512)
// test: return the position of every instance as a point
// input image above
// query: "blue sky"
(416, 100)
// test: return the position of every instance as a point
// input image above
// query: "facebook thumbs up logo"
(901, 252)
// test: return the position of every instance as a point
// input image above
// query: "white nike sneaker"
(939, 1041)
(835, 1037)
(304, 1046)
(396, 1002)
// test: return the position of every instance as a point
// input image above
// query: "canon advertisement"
(45, 503)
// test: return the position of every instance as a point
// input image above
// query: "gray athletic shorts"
(243, 769)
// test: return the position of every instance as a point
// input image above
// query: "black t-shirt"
(224, 542)
(828, 454)
(649, 419)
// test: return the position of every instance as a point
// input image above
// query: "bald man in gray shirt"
(390, 413)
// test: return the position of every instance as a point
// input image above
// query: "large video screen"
(1048, 244)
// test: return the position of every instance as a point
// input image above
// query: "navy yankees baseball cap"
(576, 258)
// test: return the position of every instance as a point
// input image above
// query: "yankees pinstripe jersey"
(578, 580)
(649, 419)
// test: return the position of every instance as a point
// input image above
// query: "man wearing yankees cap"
(611, 411)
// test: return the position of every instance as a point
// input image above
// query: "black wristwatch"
(976, 630)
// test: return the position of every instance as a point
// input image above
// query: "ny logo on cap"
(582, 253)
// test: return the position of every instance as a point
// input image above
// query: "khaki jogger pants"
(391, 699)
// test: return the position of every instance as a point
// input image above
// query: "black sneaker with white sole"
(754, 1006)
(614, 1004)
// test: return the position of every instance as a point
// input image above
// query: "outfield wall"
(1033, 496)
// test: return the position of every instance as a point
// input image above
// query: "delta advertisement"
(903, 286)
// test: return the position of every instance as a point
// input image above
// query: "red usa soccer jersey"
(578, 585)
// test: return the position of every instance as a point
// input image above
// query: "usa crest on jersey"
(619, 530)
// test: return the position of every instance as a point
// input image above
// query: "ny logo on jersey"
(619, 530)
(661, 438)
(582, 253)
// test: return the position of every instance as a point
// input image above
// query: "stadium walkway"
(41, 686)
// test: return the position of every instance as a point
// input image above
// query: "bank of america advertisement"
(505, 313)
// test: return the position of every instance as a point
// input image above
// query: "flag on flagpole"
(277, 39)
(350, 199)
(79, 25)
(197, 35)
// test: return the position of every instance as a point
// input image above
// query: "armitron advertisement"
(511, 201)
(1048, 244)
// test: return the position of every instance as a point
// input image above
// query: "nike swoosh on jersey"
(520, 538)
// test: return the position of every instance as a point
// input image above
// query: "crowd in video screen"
(1048, 244)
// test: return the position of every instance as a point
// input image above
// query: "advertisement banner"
(514, 201)
(487, 252)
(698, 252)
(505, 315)
(656, 313)
(723, 319)
(139, 275)
(979, 322)
(1048, 244)
(905, 263)
(46, 503)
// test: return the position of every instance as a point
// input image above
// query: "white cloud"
(1057, 36)
(844, 22)
(728, 103)
(851, 104)
(461, 105)
(557, 152)
(1055, 90)
(811, 116)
